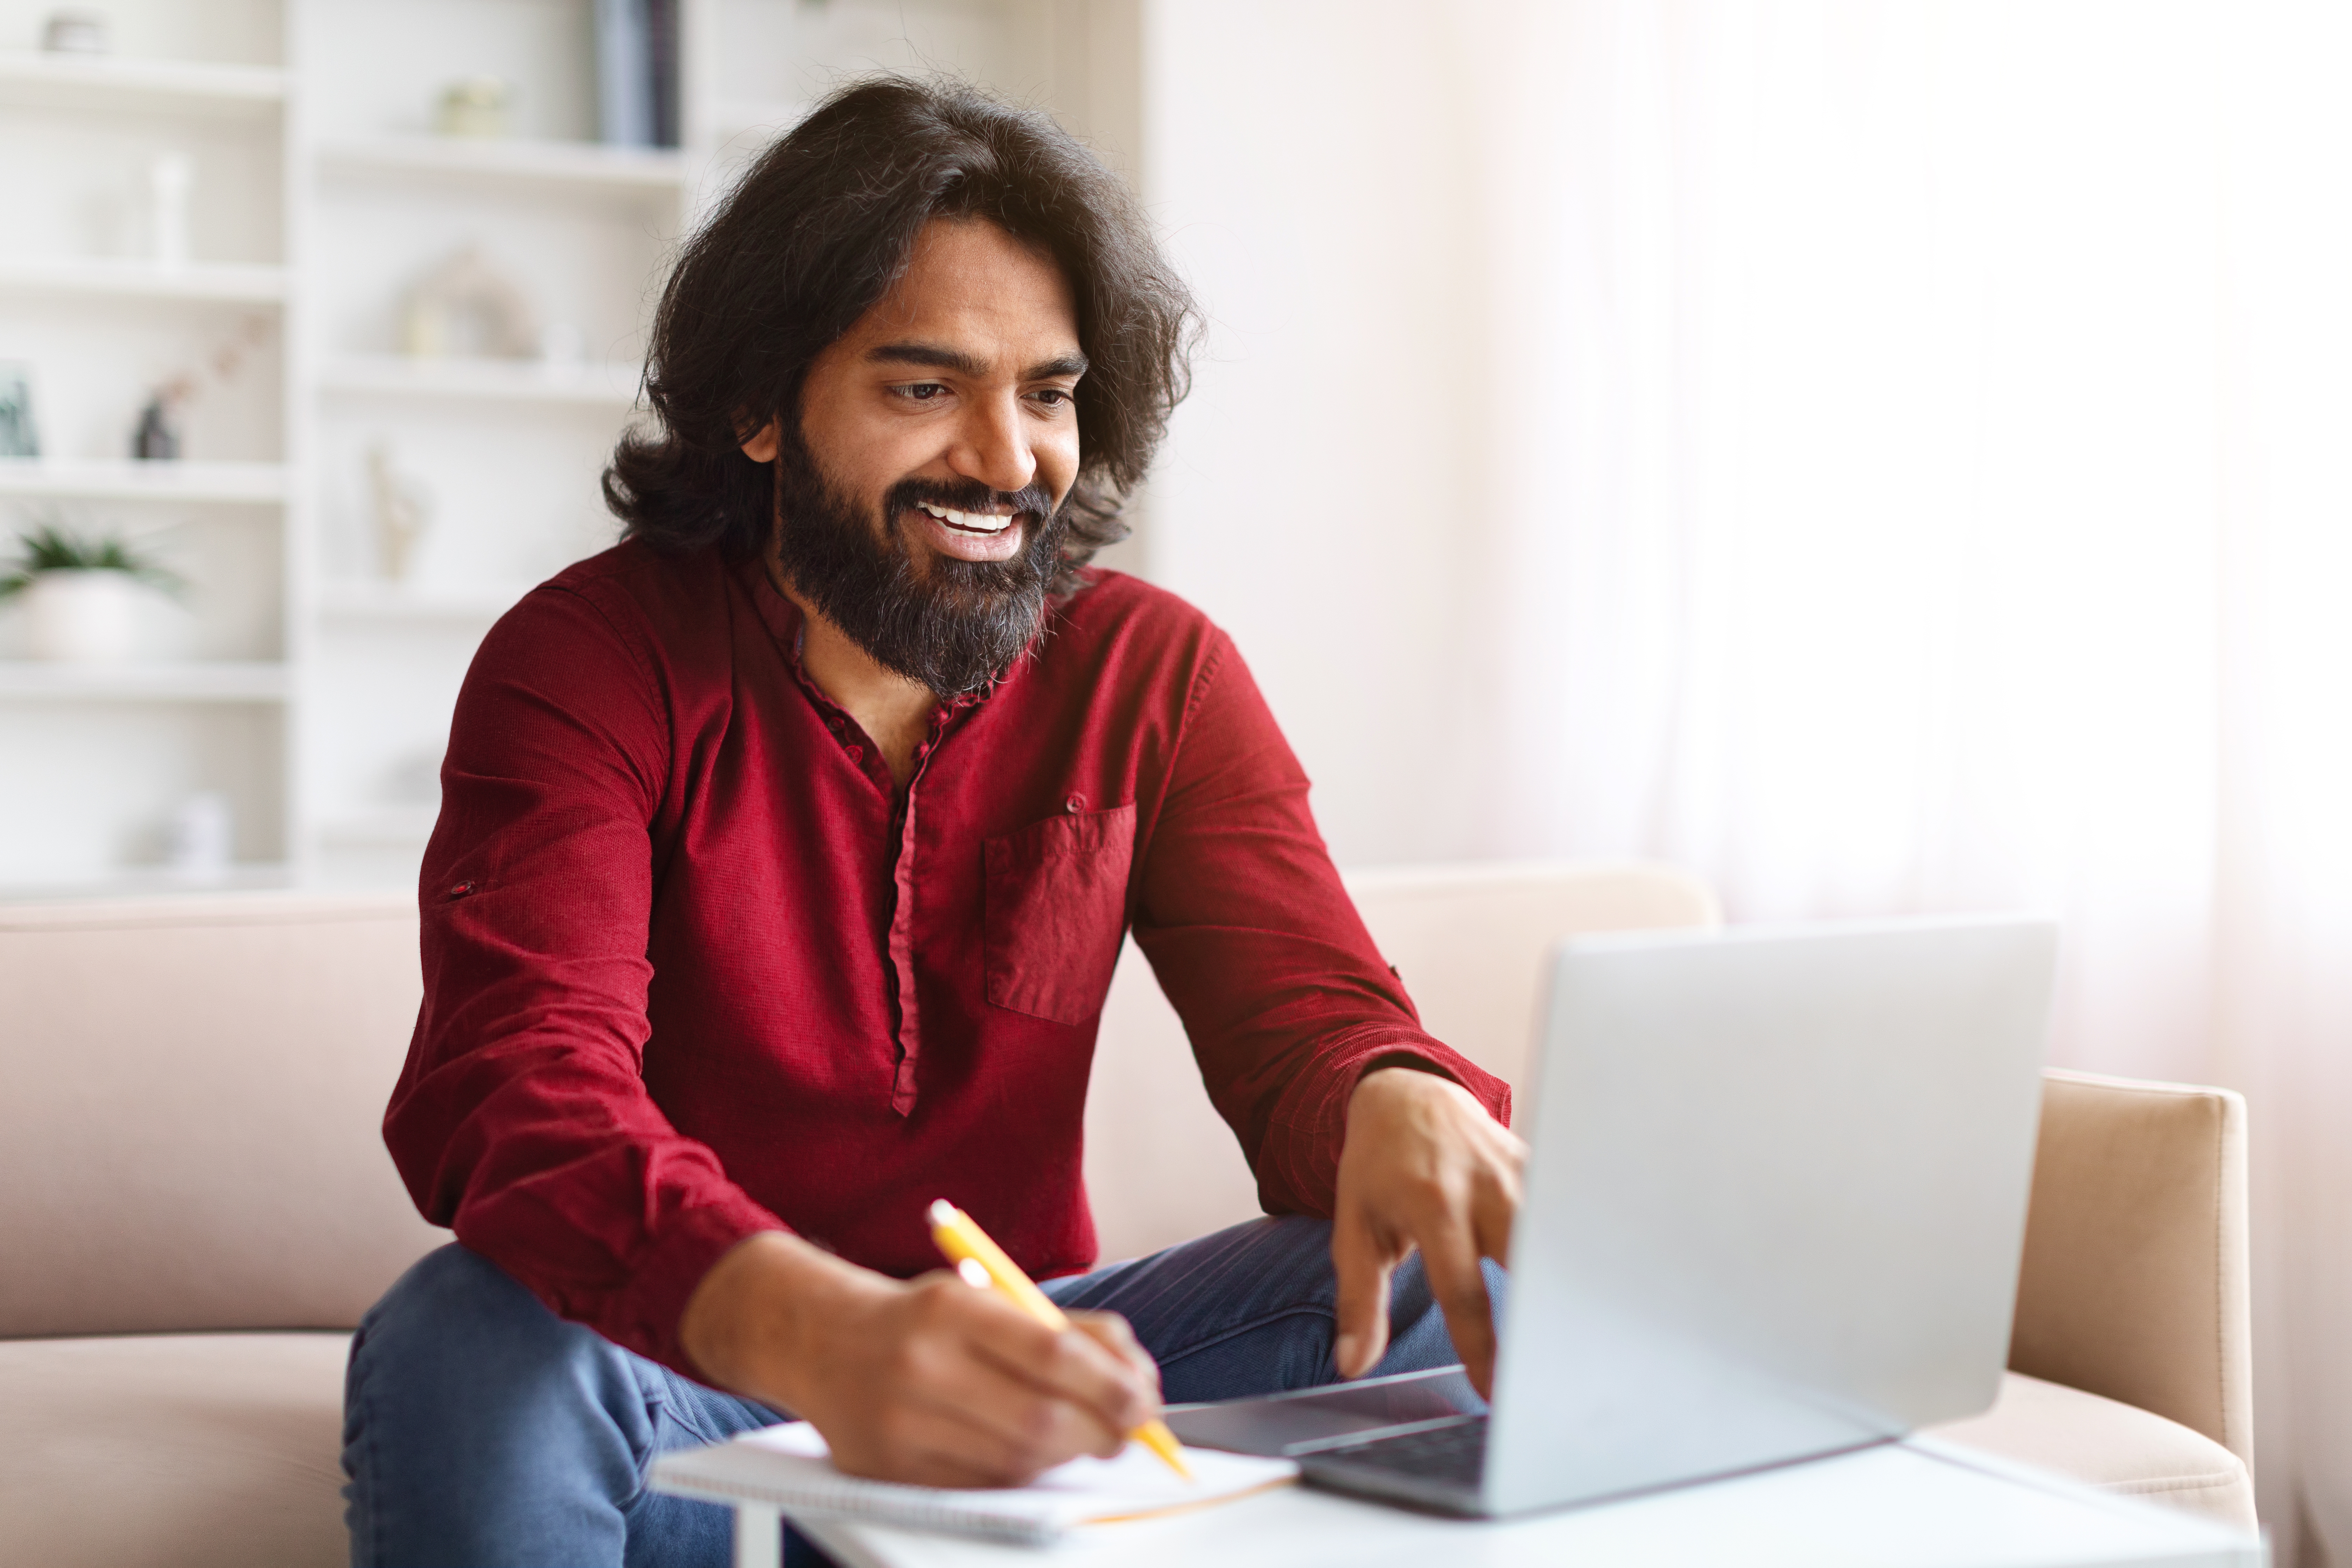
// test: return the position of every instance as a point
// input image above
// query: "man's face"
(938, 438)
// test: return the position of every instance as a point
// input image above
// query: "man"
(785, 854)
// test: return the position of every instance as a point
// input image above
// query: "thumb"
(1361, 1265)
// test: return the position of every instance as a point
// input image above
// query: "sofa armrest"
(2136, 1281)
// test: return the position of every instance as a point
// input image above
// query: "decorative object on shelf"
(81, 596)
(402, 513)
(75, 33)
(157, 437)
(169, 178)
(19, 437)
(475, 106)
(466, 308)
(200, 836)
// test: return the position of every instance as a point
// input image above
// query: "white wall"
(1312, 172)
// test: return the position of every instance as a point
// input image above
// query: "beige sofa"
(196, 1207)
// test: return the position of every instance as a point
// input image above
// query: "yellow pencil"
(954, 1234)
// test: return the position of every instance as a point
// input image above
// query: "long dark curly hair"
(818, 229)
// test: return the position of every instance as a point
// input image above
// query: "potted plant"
(81, 596)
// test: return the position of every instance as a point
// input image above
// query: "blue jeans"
(481, 1429)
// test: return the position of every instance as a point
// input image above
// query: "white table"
(1915, 1504)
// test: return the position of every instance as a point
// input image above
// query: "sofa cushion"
(193, 1449)
(190, 1135)
(2115, 1447)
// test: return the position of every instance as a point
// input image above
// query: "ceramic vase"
(82, 617)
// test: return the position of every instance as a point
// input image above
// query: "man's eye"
(1053, 397)
(920, 391)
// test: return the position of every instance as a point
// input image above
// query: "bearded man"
(785, 854)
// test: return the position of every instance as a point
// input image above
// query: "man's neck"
(894, 711)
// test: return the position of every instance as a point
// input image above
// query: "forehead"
(970, 284)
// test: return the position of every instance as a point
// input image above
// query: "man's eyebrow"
(938, 356)
(935, 356)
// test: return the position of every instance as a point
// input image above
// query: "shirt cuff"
(1299, 1166)
(643, 1315)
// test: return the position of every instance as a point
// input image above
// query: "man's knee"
(454, 1301)
(457, 1327)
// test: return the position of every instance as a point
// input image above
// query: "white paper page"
(1137, 1481)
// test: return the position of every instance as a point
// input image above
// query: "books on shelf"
(637, 72)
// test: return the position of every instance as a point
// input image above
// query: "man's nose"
(992, 446)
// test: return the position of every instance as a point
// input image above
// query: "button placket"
(904, 817)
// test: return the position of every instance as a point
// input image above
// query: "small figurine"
(157, 440)
(402, 514)
(168, 180)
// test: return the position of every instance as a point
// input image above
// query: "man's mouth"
(980, 522)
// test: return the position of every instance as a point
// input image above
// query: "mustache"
(1032, 500)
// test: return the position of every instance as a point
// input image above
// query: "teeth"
(973, 521)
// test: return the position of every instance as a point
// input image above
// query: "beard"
(952, 626)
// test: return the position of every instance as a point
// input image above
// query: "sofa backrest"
(2137, 1283)
(190, 1095)
(192, 1088)
(1469, 943)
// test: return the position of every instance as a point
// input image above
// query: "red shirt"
(692, 971)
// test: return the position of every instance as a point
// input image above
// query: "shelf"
(228, 282)
(606, 386)
(584, 165)
(83, 82)
(66, 478)
(131, 882)
(387, 826)
(193, 680)
(377, 601)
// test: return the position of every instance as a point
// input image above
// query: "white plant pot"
(82, 617)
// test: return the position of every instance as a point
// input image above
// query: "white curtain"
(1920, 452)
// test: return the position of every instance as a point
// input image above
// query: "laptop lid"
(1776, 1199)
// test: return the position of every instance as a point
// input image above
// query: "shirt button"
(833, 723)
(1075, 803)
(857, 753)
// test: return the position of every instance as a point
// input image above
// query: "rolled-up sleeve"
(1284, 996)
(522, 1119)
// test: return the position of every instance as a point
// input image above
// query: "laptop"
(1774, 1209)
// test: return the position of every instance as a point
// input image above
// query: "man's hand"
(1423, 1167)
(929, 1380)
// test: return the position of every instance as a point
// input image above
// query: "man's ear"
(763, 444)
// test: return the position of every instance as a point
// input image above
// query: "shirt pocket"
(1056, 912)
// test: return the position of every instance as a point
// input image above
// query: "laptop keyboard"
(1455, 1453)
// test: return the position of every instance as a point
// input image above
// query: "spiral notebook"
(786, 1468)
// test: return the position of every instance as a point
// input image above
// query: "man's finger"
(1361, 1267)
(1029, 1424)
(1450, 1260)
(1115, 1334)
(1073, 1366)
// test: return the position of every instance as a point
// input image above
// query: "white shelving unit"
(176, 680)
(510, 163)
(604, 384)
(114, 479)
(71, 81)
(112, 279)
(298, 677)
